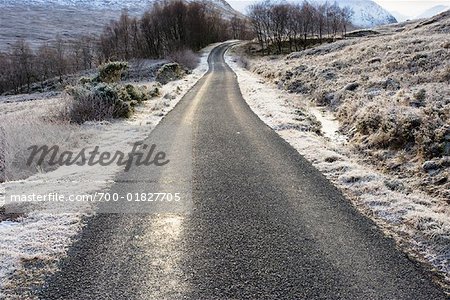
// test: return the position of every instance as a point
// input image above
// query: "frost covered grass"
(390, 92)
(21, 126)
(418, 221)
(32, 243)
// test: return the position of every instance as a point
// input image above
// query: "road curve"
(264, 224)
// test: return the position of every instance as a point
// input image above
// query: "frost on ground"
(31, 244)
(390, 92)
(418, 221)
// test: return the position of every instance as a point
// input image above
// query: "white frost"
(46, 235)
(410, 216)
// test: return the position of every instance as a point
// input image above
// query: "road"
(264, 224)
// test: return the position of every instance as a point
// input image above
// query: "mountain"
(95, 4)
(131, 5)
(366, 13)
(39, 21)
(435, 10)
(400, 17)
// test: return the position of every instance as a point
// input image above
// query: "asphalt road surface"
(262, 224)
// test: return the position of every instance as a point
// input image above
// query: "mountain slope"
(399, 16)
(39, 21)
(366, 13)
(435, 10)
(131, 5)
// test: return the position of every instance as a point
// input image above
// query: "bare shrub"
(446, 74)
(170, 72)
(369, 122)
(102, 98)
(97, 103)
(421, 131)
(135, 93)
(186, 57)
(323, 98)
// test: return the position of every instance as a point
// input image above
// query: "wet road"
(263, 223)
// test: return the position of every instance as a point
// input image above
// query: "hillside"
(435, 10)
(132, 5)
(383, 102)
(366, 13)
(40, 20)
(390, 91)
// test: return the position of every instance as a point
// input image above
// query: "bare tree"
(256, 14)
(238, 27)
(60, 60)
(307, 13)
(167, 27)
(321, 18)
(260, 15)
(276, 23)
(279, 15)
(346, 15)
(22, 63)
(46, 57)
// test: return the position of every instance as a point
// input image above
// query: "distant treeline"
(292, 24)
(165, 28)
(21, 65)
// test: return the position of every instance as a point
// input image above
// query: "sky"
(409, 8)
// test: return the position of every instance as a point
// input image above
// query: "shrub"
(98, 102)
(433, 134)
(101, 98)
(86, 80)
(402, 130)
(155, 92)
(170, 72)
(419, 98)
(446, 75)
(187, 58)
(112, 72)
(369, 122)
(135, 93)
(323, 98)
(420, 95)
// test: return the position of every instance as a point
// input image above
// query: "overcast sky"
(410, 7)
(406, 7)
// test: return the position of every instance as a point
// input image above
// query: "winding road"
(262, 224)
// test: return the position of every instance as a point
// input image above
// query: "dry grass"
(46, 22)
(32, 129)
(390, 92)
(391, 95)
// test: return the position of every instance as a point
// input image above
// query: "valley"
(304, 149)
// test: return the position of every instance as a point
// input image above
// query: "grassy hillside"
(38, 25)
(389, 90)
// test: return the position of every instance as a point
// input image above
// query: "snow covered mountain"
(435, 10)
(366, 13)
(400, 17)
